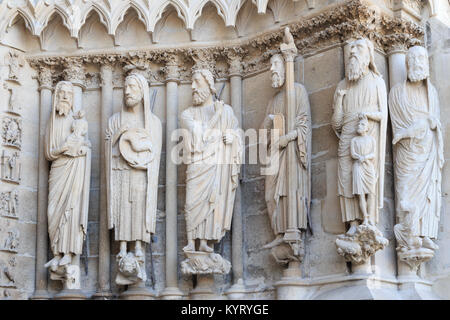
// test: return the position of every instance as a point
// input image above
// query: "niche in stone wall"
(56, 37)
(18, 36)
(210, 26)
(170, 28)
(94, 34)
(248, 21)
(131, 31)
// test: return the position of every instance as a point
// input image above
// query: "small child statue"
(363, 149)
(77, 140)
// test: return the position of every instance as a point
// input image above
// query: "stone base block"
(137, 292)
(171, 293)
(70, 294)
(237, 291)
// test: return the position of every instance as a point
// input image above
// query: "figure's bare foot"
(190, 247)
(277, 241)
(204, 247)
(138, 252)
(67, 259)
(121, 254)
(53, 264)
(352, 230)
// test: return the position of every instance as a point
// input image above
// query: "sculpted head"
(133, 91)
(128, 265)
(64, 97)
(363, 125)
(417, 64)
(277, 69)
(202, 86)
(359, 59)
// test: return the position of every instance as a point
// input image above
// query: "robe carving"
(368, 95)
(212, 170)
(132, 193)
(276, 185)
(69, 180)
(418, 161)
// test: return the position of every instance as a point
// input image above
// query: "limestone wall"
(320, 67)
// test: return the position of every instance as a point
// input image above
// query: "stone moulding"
(335, 25)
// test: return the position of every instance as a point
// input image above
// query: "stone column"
(41, 276)
(397, 74)
(237, 290)
(171, 291)
(74, 72)
(397, 65)
(104, 285)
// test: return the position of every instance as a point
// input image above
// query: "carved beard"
(356, 67)
(63, 107)
(417, 72)
(277, 79)
(200, 95)
(131, 101)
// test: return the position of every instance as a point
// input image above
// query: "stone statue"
(69, 178)
(276, 183)
(133, 151)
(418, 160)
(363, 149)
(361, 94)
(213, 150)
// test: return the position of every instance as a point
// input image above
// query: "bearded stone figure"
(133, 151)
(213, 150)
(276, 184)
(418, 160)
(69, 179)
(361, 95)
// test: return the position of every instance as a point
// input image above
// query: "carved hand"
(433, 122)
(228, 138)
(284, 140)
(341, 93)
(83, 150)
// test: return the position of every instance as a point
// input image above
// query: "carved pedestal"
(204, 265)
(204, 288)
(357, 247)
(291, 286)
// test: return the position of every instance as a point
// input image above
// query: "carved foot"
(121, 254)
(189, 248)
(277, 241)
(67, 259)
(205, 248)
(53, 264)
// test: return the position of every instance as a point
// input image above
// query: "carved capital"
(203, 59)
(396, 47)
(234, 60)
(45, 77)
(74, 72)
(172, 68)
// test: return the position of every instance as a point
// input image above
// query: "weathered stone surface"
(238, 41)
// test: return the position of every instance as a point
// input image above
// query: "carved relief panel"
(10, 167)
